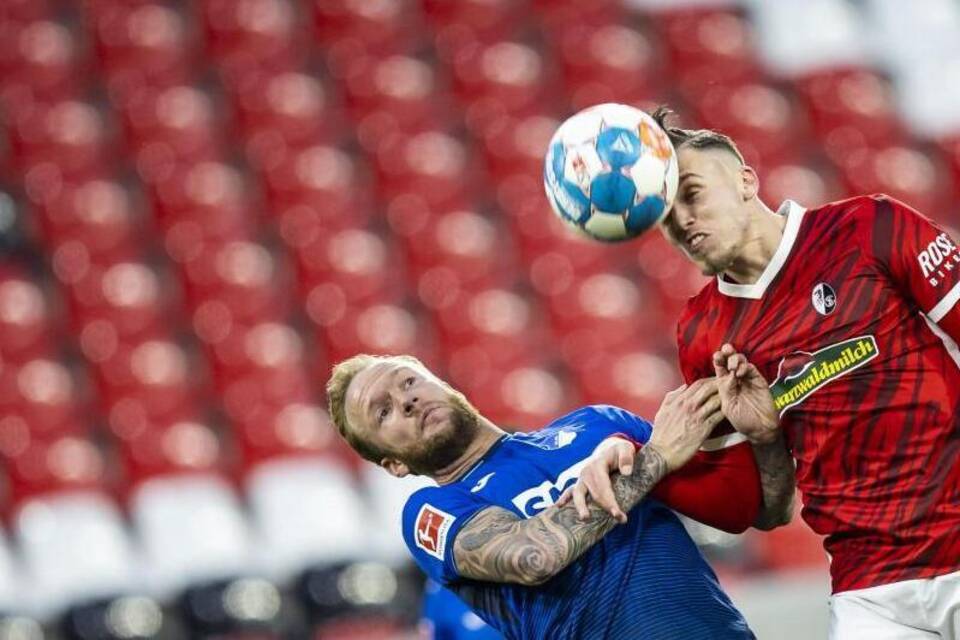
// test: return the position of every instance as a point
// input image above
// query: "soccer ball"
(610, 172)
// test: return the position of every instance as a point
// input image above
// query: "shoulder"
(856, 211)
(699, 302)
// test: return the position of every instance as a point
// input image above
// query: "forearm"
(778, 483)
(497, 547)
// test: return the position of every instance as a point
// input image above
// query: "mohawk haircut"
(695, 138)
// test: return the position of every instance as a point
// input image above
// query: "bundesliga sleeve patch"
(432, 527)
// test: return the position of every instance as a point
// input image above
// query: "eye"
(382, 413)
(692, 195)
(408, 382)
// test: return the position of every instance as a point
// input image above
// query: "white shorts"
(926, 608)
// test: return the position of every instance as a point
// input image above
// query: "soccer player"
(492, 533)
(849, 310)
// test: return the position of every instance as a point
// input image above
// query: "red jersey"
(842, 323)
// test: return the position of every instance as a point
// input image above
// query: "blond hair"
(340, 378)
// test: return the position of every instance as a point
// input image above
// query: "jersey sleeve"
(625, 423)
(922, 259)
(720, 488)
(432, 518)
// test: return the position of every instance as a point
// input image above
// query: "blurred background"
(206, 203)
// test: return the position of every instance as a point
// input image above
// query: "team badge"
(432, 528)
(824, 299)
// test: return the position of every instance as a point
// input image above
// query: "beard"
(447, 445)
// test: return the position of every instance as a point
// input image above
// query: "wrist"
(670, 462)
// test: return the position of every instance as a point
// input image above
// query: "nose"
(681, 216)
(409, 404)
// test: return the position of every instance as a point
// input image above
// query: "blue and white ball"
(611, 172)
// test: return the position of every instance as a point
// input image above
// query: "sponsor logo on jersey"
(536, 499)
(432, 527)
(824, 299)
(938, 258)
(482, 482)
(801, 373)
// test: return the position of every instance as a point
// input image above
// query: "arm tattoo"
(497, 546)
(778, 482)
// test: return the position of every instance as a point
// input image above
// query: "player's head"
(396, 413)
(710, 218)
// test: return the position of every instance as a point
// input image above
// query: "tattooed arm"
(747, 403)
(497, 546)
(778, 481)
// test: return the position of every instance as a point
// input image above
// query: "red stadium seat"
(559, 15)
(98, 214)
(460, 23)
(323, 180)
(168, 126)
(808, 184)
(514, 146)
(42, 396)
(602, 311)
(523, 397)
(283, 112)
(708, 45)
(500, 78)
(612, 63)
(396, 93)
(283, 431)
(761, 118)
(21, 11)
(211, 194)
(247, 35)
(26, 326)
(66, 463)
(129, 296)
(68, 135)
(904, 172)
(180, 447)
(142, 385)
(853, 98)
(356, 261)
(243, 276)
(496, 327)
(350, 28)
(635, 379)
(471, 245)
(384, 328)
(433, 164)
(949, 147)
(38, 59)
(257, 367)
(141, 45)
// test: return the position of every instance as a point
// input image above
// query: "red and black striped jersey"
(843, 324)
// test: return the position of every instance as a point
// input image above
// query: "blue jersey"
(644, 579)
(446, 617)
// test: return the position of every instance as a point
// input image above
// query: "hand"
(613, 454)
(745, 396)
(686, 417)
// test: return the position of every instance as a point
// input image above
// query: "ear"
(750, 182)
(395, 468)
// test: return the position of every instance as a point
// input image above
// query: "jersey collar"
(794, 213)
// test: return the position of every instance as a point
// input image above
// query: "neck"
(487, 435)
(763, 235)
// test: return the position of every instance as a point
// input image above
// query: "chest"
(825, 310)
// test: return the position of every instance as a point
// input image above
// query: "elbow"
(771, 519)
(538, 567)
